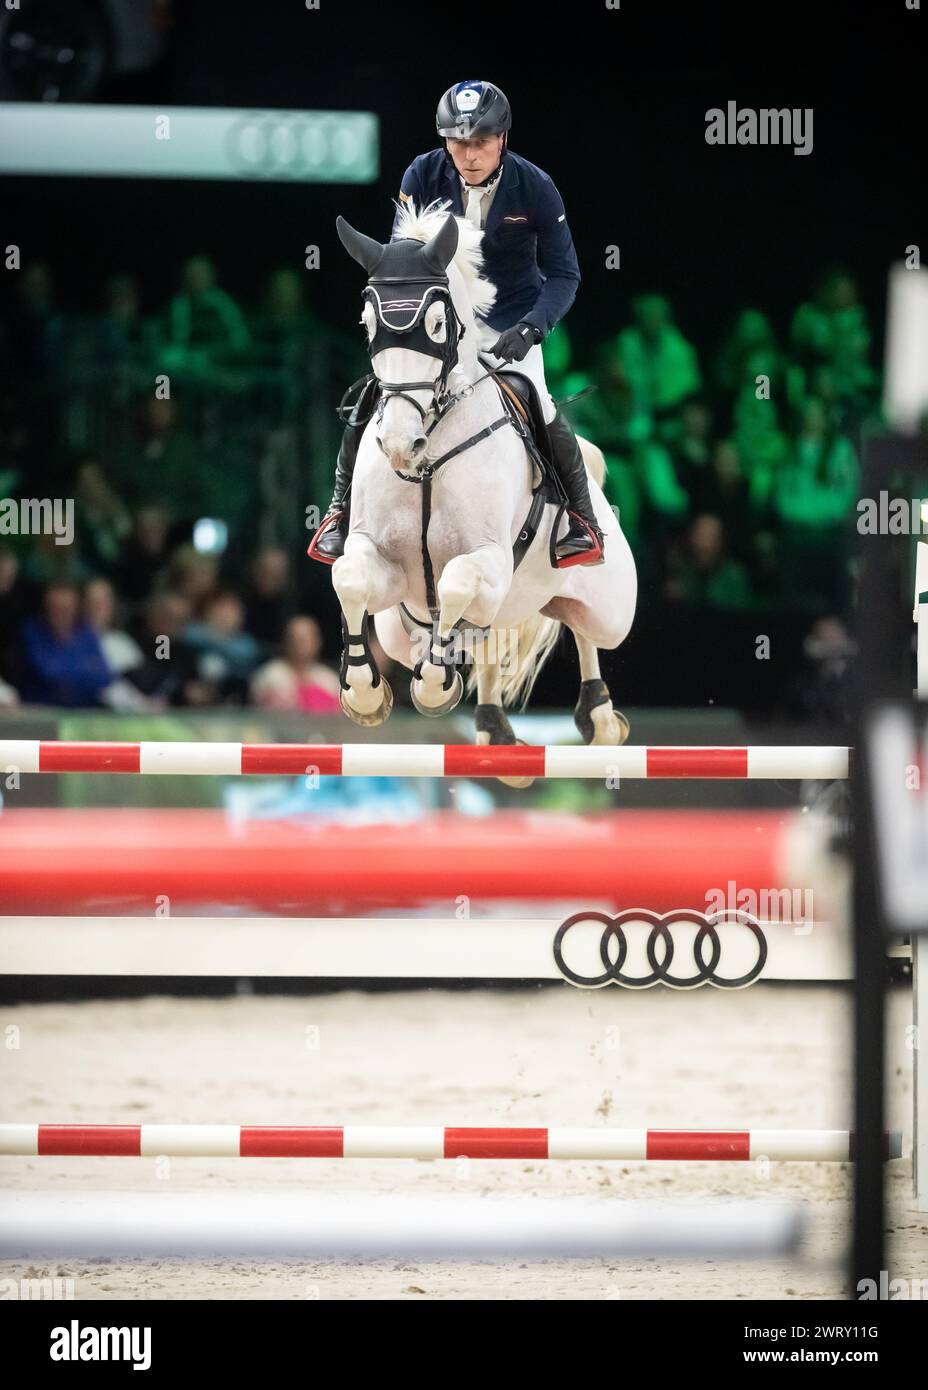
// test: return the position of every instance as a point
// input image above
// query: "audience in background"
(122, 335)
(167, 674)
(163, 467)
(297, 680)
(822, 692)
(63, 660)
(225, 653)
(206, 328)
(704, 573)
(144, 554)
(734, 478)
(194, 576)
(832, 330)
(659, 364)
(268, 597)
(105, 519)
(120, 650)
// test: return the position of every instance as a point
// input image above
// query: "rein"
(444, 409)
(424, 478)
(400, 322)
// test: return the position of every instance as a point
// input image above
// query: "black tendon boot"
(583, 542)
(329, 541)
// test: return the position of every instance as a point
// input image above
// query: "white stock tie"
(474, 199)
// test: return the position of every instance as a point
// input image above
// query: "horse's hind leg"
(492, 722)
(594, 715)
(365, 583)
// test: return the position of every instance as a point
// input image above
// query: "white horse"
(440, 411)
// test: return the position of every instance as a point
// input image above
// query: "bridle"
(399, 321)
(403, 317)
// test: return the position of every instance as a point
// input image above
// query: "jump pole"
(96, 860)
(405, 948)
(432, 1142)
(425, 760)
(368, 1226)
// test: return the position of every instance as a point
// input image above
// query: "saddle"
(523, 409)
(521, 399)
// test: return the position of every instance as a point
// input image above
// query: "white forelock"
(422, 226)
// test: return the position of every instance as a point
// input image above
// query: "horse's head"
(413, 330)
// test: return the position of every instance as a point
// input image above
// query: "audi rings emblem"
(709, 951)
(291, 145)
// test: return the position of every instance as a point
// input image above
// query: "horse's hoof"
(378, 716)
(596, 719)
(624, 727)
(435, 711)
(610, 727)
(485, 740)
(519, 783)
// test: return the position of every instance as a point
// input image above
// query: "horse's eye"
(435, 324)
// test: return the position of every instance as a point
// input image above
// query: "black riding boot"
(583, 542)
(329, 541)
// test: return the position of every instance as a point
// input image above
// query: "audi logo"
(709, 949)
(291, 145)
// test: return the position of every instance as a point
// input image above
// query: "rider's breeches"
(533, 366)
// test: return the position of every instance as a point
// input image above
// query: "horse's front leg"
(365, 582)
(471, 586)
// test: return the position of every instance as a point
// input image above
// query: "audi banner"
(185, 142)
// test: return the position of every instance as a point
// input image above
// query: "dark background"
(610, 103)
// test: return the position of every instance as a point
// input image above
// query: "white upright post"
(920, 943)
(920, 1070)
(920, 618)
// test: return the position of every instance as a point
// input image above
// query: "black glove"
(515, 343)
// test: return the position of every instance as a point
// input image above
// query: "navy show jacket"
(528, 251)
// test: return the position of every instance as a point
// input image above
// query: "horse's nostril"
(418, 444)
(380, 445)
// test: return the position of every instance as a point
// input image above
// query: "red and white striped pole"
(425, 760)
(431, 1141)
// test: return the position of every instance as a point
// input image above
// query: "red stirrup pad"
(311, 551)
(585, 557)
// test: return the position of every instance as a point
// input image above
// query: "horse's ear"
(439, 252)
(364, 249)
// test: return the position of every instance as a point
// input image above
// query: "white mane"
(422, 226)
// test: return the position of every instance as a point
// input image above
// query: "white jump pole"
(407, 948)
(920, 618)
(294, 1225)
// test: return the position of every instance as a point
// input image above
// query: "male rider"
(528, 254)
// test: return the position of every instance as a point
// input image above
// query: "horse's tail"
(520, 653)
(535, 640)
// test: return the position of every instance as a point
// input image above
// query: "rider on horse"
(528, 254)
